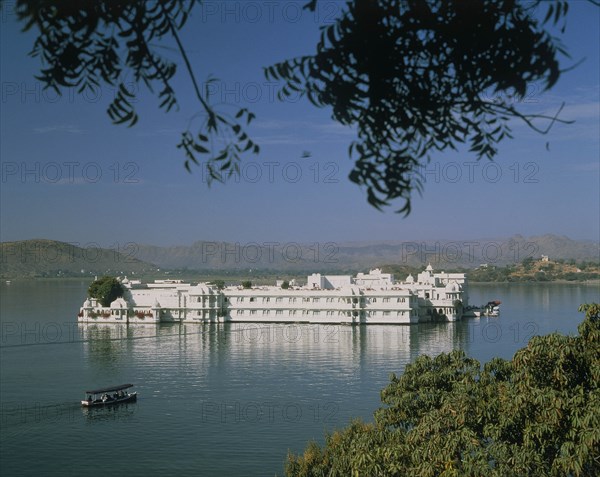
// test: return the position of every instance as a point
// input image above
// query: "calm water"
(217, 399)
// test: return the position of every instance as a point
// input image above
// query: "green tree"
(285, 285)
(106, 290)
(219, 284)
(535, 415)
(527, 263)
(413, 77)
(247, 284)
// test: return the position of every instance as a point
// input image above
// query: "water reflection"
(120, 412)
(107, 344)
(220, 344)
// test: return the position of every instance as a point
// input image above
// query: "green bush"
(219, 284)
(537, 414)
(106, 290)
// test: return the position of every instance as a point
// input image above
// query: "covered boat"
(109, 396)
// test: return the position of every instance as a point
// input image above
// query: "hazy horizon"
(312, 241)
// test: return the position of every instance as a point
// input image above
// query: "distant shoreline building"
(371, 298)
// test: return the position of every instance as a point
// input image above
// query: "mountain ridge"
(40, 258)
(44, 257)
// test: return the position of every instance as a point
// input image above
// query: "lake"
(223, 399)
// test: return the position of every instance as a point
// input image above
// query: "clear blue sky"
(69, 174)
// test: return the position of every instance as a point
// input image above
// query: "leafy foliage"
(535, 415)
(247, 284)
(106, 290)
(219, 284)
(412, 77)
(527, 262)
(90, 44)
(285, 285)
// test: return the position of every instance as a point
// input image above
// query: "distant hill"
(38, 258)
(49, 258)
(353, 256)
(538, 270)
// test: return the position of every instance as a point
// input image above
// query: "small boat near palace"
(109, 396)
(492, 308)
(472, 312)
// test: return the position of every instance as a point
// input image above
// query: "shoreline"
(595, 281)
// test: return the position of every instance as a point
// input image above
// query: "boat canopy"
(109, 390)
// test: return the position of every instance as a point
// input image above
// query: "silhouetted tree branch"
(413, 76)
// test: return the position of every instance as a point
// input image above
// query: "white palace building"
(374, 297)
